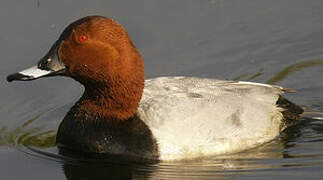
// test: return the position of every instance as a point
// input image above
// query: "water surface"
(277, 42)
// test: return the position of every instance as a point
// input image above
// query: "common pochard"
(163, 118)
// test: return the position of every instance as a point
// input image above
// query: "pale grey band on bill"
(35, 72)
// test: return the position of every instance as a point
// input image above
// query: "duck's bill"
(28, 74)
(50, 65)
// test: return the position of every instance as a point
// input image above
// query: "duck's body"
(162, 118)
(193, 117)
(182, 118)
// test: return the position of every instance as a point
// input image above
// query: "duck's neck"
(112, 99)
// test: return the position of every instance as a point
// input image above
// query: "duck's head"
(97, 52)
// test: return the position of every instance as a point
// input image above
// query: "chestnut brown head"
(97, 52)
(95, 47)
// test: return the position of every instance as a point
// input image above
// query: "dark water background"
(278, 42)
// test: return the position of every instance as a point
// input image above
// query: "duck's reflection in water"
(94, 171)
(103, 168)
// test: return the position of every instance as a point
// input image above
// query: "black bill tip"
(18, 77)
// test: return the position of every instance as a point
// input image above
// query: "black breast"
(87, 134)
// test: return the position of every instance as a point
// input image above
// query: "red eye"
(83, 38)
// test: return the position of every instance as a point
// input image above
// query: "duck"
(163, 118)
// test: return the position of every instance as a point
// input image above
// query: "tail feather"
(291, 112)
